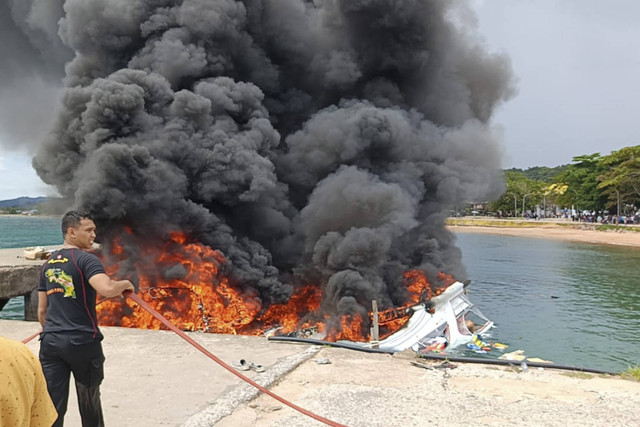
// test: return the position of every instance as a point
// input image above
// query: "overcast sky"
(578, 68)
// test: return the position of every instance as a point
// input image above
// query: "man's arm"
(42, 307)
(107, 287)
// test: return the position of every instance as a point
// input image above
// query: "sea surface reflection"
(571, 303)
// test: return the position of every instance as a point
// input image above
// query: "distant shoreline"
(565, 230)
(628, 235)
(3, 215)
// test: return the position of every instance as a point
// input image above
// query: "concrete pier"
(19, 277)
(154, 378)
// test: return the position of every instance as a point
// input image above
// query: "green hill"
(23, 202)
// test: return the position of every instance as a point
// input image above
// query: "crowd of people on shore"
(572, 215)
(606, 219)
(590, 217)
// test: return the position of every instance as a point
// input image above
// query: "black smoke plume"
(309, 141)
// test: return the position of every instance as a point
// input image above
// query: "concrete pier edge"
(243, 393)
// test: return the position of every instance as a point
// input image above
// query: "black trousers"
(62, 353)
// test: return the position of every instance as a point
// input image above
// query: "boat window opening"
(440, 331)
(466, 326)
(470, 323)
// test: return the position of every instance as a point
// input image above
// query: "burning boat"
(203, 299)
(443, 321)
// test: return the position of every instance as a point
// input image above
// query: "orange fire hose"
(30, 337)
(26, 340)
(219, 361)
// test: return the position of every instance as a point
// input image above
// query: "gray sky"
(578, 69)
(578, 66)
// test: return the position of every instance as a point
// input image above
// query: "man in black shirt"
(70, 339)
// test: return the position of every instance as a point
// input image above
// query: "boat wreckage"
(446, 321)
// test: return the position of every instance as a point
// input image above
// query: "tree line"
(592, 183)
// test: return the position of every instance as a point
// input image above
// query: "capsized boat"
(443, 321)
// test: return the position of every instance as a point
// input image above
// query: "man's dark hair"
(73, 218)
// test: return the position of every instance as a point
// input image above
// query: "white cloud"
(17, 177)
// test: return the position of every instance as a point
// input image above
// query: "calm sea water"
(19, 231)
(574, 304)
(571, 303)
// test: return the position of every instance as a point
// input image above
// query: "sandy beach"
(628, 236)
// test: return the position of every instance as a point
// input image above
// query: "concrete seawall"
(19, 277)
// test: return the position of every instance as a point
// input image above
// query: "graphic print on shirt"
(59, 277)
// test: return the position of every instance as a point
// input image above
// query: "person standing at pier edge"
(70, 339)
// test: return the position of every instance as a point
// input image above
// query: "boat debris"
(443, 322)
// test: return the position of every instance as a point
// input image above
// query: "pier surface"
(19, 277)
(154, 378)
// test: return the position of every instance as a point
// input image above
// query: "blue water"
(571, 303)
(574, 304)
(20, 231)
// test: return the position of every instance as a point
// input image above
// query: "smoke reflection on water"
(573, 304)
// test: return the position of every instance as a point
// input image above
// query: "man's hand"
(108, 287)
(128, 286)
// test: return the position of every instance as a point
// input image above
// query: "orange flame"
(202, 298)
(351, 328)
